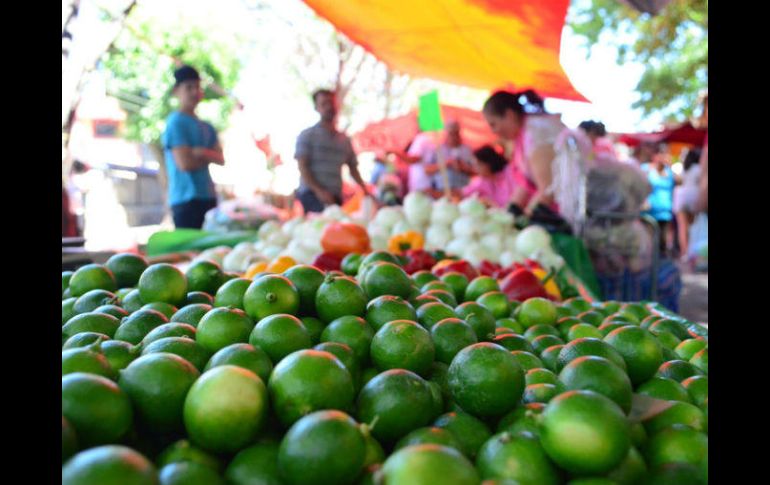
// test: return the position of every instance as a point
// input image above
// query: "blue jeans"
(190, 214)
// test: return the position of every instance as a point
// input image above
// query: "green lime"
(539, 344)
(184, 347)
(90, 322)
(314, 328)
(307, 381)
(592, 373)
(307, 279)
(311, 450)
(676, 444)
(432, 313)
(367, 375)
(352, 331)
(523, 419)
(478, 286)
(593, 317)
(403, 344)
(679, 413)
(562, 312)
(257, 464)
(385, 278)
(577, 304)
(225, 409)
(91, 277)
(96, 407)
(678, 370)
(516, 457)
(496, 302)
(132, 301)
(122, 293)
(65, 280)
(109, 464)
(378, 255)
(649, 320)
(157, 385)
(470, 432)
(511, 324)
(537, 330)
(689, 347)
(513, 341)
(672, 326)
(113, 310)
(222, 327)
(608, 327)
(350, 263)
(86, 359)
(422, 464)
(701, 360)
(639, 311)
(429, 434)
(162, 282)
(608, 307)
(183, 451)
(243, 355)
(193, 297)
(540, 393)
(339, 296)
(640, 350)
(423, 300)
(68, 309)
(565, 323)
(436, 285)
(162, 307)
(589, 346)
(584, 432)
(230, 294)
(479, 318)
(677, 473)
(550, 357)
(581, 330)
(69, 442)
(374, 452)
(540, 375)
(445, 296)
(450, 336)
(387, 308)
(631, 470)
(698, 388)
(127, 268)
(668, 352)
(664, 388)
(457, 281)
(188, 473)
(527, 360)
(422, 277)
(93, 299)
(191, 314)
(486, 380)
(171, 329)
(438, 376)
(270, 294)
(621, 318)
(399, 400)
(136, 326)
(119, 354)
(536, 311)
(84, 339)
(279, 335)
(204, 275)
(514, 306)
(348, 358)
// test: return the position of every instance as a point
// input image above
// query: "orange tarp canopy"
(394, 134)
(485, 44)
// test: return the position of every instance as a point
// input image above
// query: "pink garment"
(498, 188)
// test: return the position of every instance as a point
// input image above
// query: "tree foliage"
(673, 46)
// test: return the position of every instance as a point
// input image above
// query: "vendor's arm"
(540, 165)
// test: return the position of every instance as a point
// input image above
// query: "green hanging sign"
(429, 115)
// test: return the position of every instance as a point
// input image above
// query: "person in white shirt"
(686, 197)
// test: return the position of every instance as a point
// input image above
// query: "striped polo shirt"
(326, 152)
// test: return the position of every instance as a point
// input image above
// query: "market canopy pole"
(486, 44)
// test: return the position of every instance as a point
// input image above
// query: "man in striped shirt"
(321, 152)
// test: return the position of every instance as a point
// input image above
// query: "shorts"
(191, 214)
(685, 199)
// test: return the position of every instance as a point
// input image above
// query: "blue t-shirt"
(662, 196)
(185, 130)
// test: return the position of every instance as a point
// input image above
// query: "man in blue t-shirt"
(190, 145)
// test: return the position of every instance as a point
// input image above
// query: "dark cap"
(185, 73)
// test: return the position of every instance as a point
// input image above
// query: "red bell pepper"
(522, 284)
(488, 268)
(460, 266)
(418, 259)
(328, 262)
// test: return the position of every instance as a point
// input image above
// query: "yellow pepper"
(255, 268)
(550, 286)
(406, 240)
(281, 264)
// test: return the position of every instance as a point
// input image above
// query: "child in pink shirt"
(495, 181)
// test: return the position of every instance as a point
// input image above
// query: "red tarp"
(486, 44)
(395, 134)
(684, 133)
